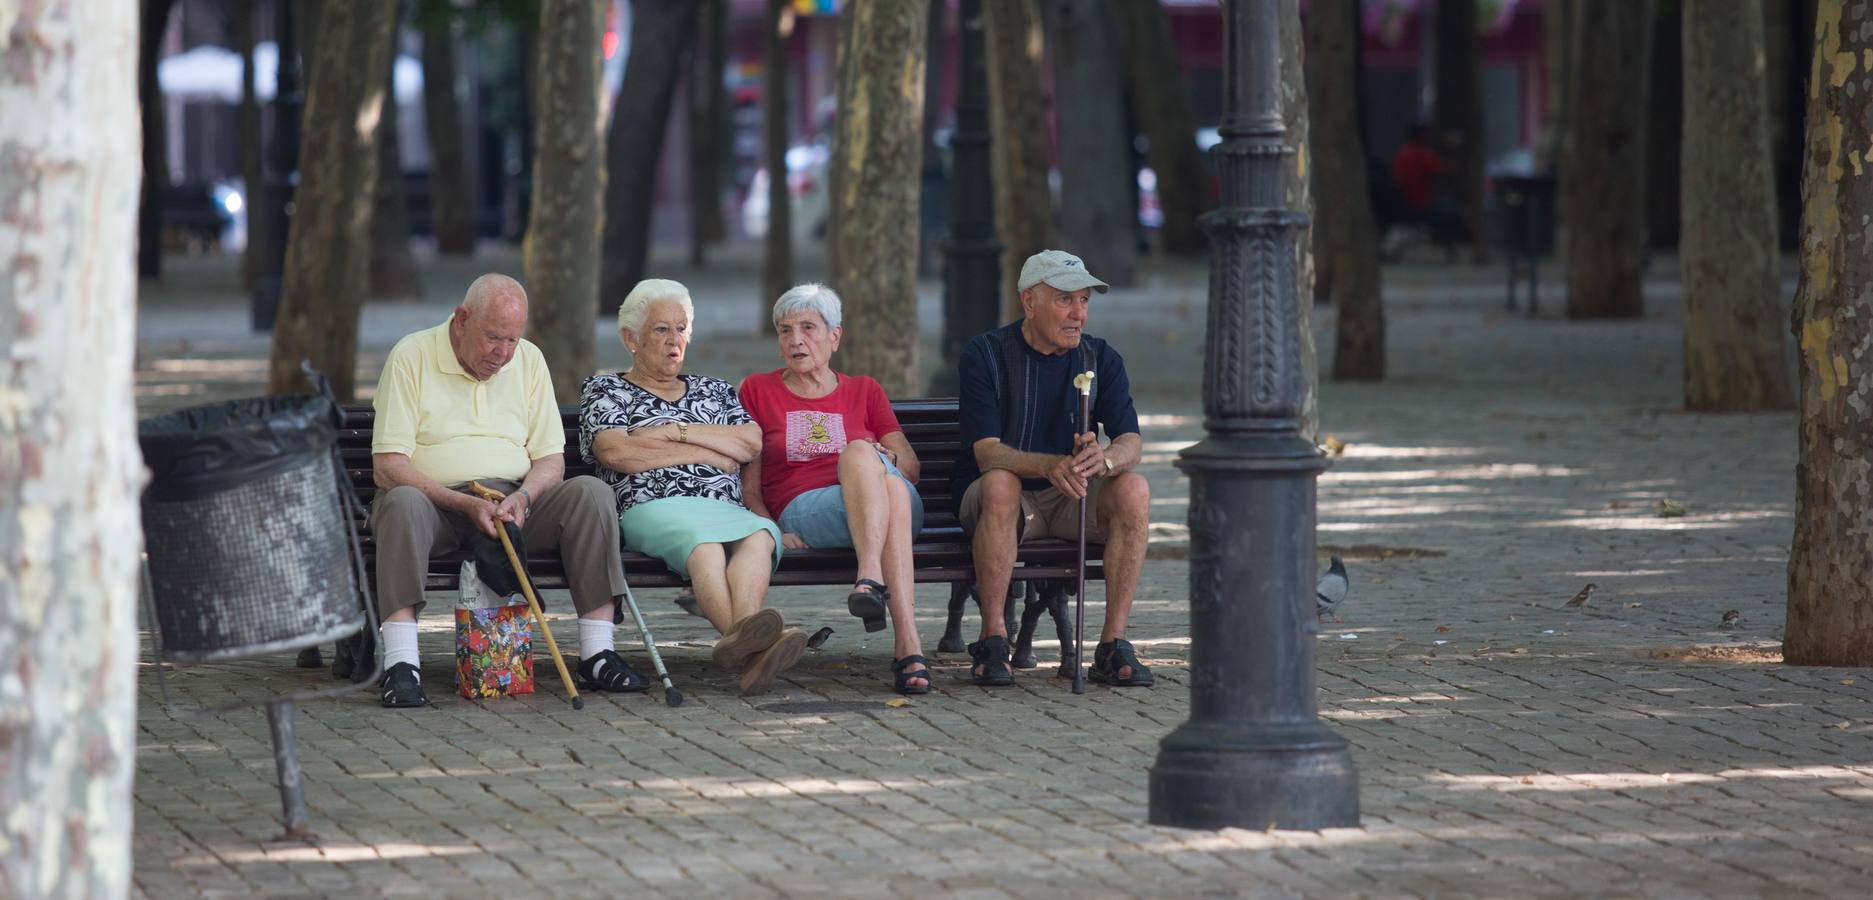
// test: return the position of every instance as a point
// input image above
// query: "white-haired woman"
(835, 470)
(672, 447)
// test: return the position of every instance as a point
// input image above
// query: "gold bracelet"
(682, 432)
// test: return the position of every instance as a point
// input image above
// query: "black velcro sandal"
(401, 688)
(900, 668)
(617, 677)
(868, 605)
(991, 656)
(1116, 654)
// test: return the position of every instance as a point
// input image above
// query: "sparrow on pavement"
(1585, 595)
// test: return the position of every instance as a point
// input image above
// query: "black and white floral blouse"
(611, 401)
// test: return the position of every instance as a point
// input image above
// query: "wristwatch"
(1108, 461)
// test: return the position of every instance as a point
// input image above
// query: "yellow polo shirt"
(455, 428)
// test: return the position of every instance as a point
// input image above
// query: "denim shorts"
(818, 516)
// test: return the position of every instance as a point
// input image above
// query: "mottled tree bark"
(155, 139)
(1830, 598)
(708, 132)
(70, 471)
(777, 252)
(1098, 188)
(1161, 104)
(328, 248)
(1460, 114)
(1346, 256)
(560, 257)
(1664, 126)
(252, 182)
(1735, 354)
(661, 31)
(876, 168)
(1297, 196)
(451, 192)
(1024, 213)
(393, 267)
(1603, 175)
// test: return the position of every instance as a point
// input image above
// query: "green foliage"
(478, 17)
(499, 27)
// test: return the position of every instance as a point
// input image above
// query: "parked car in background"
(203, 216)
(807, 166)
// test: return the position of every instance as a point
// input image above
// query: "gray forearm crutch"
(671, 696)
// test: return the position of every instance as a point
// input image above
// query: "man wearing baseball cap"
(1029, 465)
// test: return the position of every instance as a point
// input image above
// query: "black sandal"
(1116, 654)
(899, 669)
(617, 677)
(868, 605)
(991, 654)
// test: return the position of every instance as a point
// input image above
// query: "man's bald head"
(487, 327)
(494, 292)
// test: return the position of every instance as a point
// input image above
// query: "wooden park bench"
(940, 556)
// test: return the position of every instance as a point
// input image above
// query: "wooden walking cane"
(1083, 381)
(526, 587)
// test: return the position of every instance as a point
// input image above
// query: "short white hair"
(810, 297)
(637, 303)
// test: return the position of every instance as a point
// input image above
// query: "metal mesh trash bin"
(249, 548)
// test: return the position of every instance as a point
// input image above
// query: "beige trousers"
(578, 517)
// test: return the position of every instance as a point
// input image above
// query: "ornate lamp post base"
(1253, 754)
(1297, 777)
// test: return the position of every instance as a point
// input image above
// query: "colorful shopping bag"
(493, 651)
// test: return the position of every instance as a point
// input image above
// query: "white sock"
(595, 637)
(400, 645)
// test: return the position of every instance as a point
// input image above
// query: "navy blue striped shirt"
(1026, 398)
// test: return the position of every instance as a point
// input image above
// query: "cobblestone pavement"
(1507, 746)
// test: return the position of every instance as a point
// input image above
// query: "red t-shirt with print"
(801, 437)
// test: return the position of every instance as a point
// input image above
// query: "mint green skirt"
(670, 529)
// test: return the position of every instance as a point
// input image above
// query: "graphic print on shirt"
(811, 433)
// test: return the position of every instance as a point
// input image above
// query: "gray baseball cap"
(1060, 270)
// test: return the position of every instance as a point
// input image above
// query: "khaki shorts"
(1045, 513)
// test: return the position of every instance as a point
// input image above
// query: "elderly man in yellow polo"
(469, 400)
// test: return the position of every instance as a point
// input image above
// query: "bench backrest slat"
(930, 424)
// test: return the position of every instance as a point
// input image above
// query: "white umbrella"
(213, 74)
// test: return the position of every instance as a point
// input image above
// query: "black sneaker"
(402, 689)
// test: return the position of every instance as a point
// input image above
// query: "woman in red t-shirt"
(835, 470)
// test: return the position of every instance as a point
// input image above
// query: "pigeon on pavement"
(1330, 591)
(1585, 594)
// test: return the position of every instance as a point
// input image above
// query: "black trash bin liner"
(248, 538)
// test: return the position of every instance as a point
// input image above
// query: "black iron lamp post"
(281, 166)
(971, 254)
(1254, 753)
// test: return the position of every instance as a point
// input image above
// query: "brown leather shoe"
(746, 638)
(768, 664)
